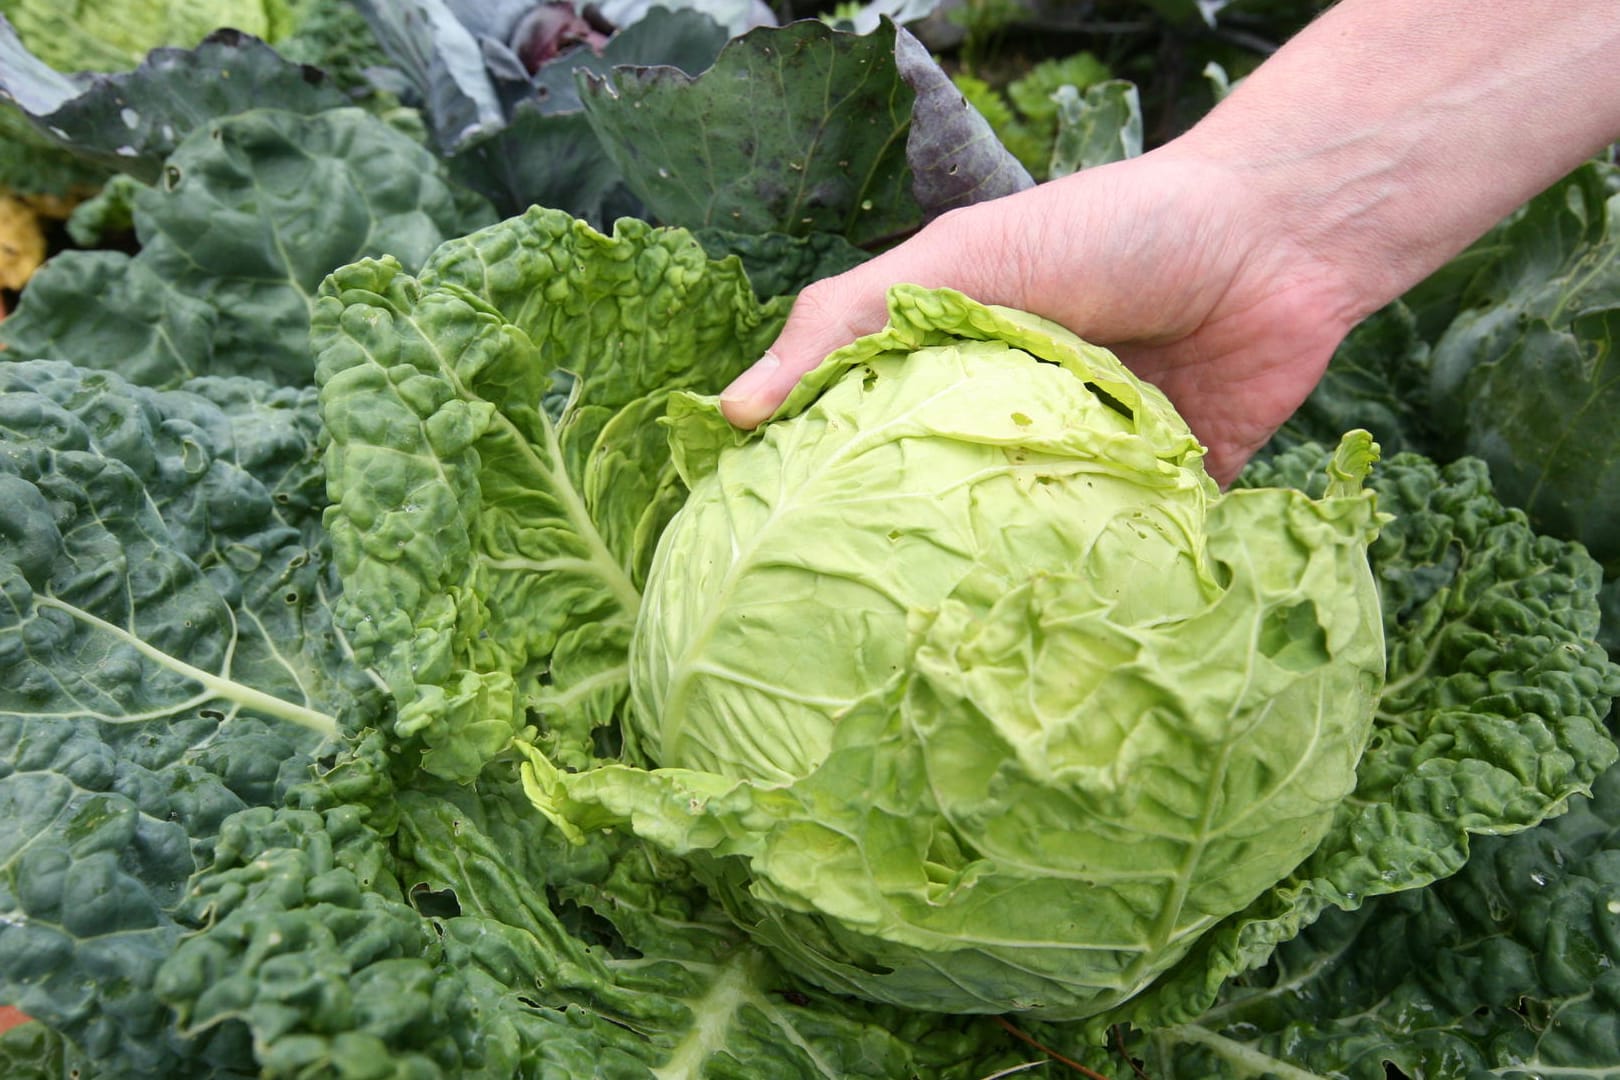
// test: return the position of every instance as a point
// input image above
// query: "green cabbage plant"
(963, 686)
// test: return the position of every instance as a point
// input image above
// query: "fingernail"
(751, 383)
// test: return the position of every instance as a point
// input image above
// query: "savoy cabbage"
(1056, 708)
(275, 658)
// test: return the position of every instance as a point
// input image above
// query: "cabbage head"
(965, 689)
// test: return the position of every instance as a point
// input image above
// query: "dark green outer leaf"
(794, 130)
(165, 615)
(1491, 719)
(36, 1052)
(477, 943)
(1436, 301)
(548, 155)
(253, 212)
(1510, 969)
(307, 960)
(120, 313)
(32, 164)
(1511, 345)
(1609, 629)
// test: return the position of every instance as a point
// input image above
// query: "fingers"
(826, 316)
(833, 312)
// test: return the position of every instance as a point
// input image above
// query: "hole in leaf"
(1111, 401)
(1293, 638)
(607, 741)
(435, 903)
(589, 927)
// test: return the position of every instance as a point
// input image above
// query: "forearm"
(1389, 134)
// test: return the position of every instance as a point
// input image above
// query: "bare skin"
(1228, 264)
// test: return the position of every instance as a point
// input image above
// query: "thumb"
(827, 315)
(833, 312)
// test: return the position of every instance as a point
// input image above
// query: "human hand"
(1166, 260)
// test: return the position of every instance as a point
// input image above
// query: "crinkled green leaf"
(254, 210)
(36, 1052)
(168, 644)
(451, 937)
(498, 470)
(1492, 717)
(309, 962)
(1509, 969)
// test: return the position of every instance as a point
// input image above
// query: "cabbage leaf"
(253, 211)
(498, 473)
(167, 612)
